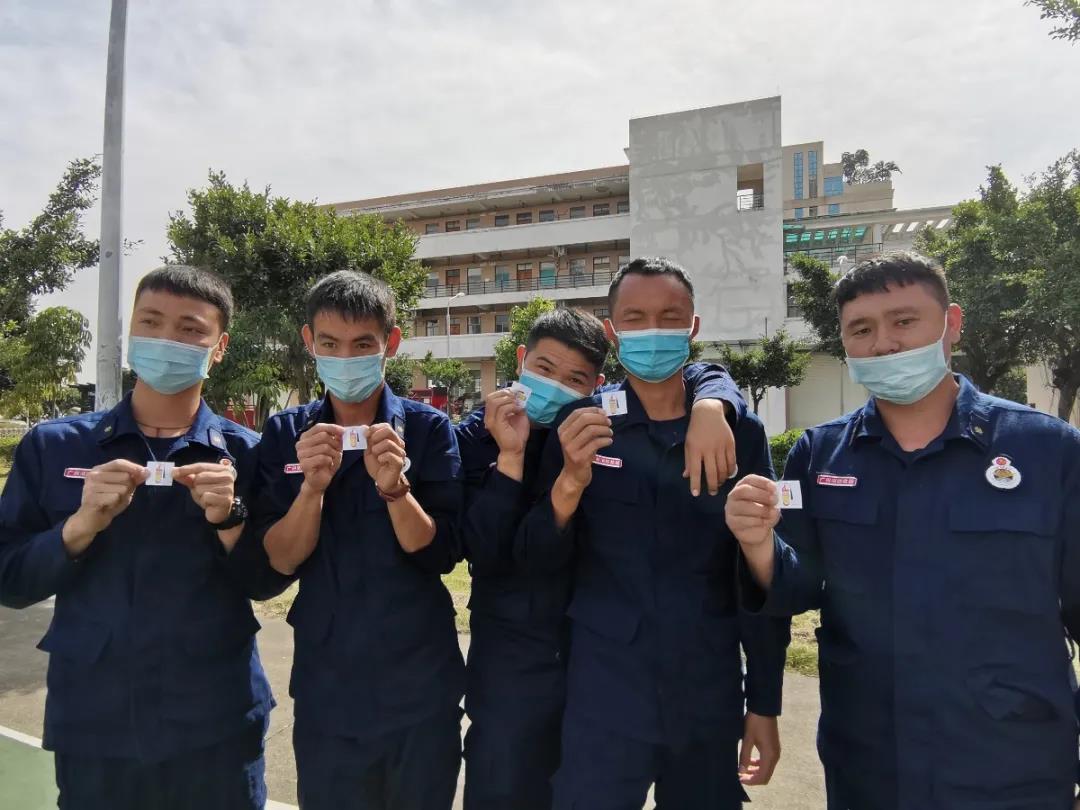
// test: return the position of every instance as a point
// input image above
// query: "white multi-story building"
(713, 189)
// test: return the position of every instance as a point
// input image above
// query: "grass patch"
(802, 655)
(278, 607)
(459, 583)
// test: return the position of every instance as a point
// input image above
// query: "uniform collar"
(970, 418)
(204, 430)
(390, 410)
(635, 411)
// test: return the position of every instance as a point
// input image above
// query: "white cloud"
(348, 99)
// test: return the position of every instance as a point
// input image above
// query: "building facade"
(714, 189)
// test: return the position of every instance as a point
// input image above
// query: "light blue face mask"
(905, 377)
(547, 398)
(351, 379)
(168, 366)
(654, 355)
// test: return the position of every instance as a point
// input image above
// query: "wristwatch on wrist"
(237, 515)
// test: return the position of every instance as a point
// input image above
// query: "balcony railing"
(750, 202)
(559, 282)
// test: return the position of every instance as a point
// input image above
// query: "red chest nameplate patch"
(292, 469)
(76, 472)
(608, 461)
(837, 480)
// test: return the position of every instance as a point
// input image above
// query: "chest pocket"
(1004, 554)
(846, 521)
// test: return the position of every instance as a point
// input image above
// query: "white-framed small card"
(521, 392)
(355, 438)
(160, 473)
(613, 403)
(789, 494)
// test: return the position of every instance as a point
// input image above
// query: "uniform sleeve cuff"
(752, 597)
(502, 485)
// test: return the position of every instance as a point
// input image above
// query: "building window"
(474, 324)
(601, 264)
(547, 215)
(455, 326)
(453, 225)
(524, 218)
(622, 207)
(502, 220)
(453, 280)
(793, 310)
(601, 210)
(524, 271)
(811, 159)
(431, 227)
(813, 210)
(502, 322)
(548, 273)
(472, 224)
(623, 261)
(834, 209)
(477, 387)
(577, 267)
(577, 211)
(834, 186)
(502, 277)
(431, 328)
(475, 279)
(432, 280)
(798, 170)
(601, 312)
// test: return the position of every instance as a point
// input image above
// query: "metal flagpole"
(107, 390)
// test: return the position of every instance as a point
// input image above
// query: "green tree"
(451, 374)
(775, 362)
(1053, 227)
(813, 292)
(522, 319)
(1064, 12)
(43, 361)
(857, 168)
(272, 249)
(986, 251)
(44, 256)
(253, 369)
(399, 374)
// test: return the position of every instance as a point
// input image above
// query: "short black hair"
(578, 330)
(899, 268)
(649, 266)
(353, 295)
(191, 282)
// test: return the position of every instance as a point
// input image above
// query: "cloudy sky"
(342, 99)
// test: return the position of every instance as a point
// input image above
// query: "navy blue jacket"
(945, 679)
(656, 628)
(495, 506)
(376, 645)
(151, 646)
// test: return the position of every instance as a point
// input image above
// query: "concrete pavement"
(797, 785)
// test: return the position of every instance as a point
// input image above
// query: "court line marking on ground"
(18, 736)
(34, 742)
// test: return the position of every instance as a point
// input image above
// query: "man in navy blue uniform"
(516, 669)
(654, 681)
(360, 494)
(156, 697)
(940, 538)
